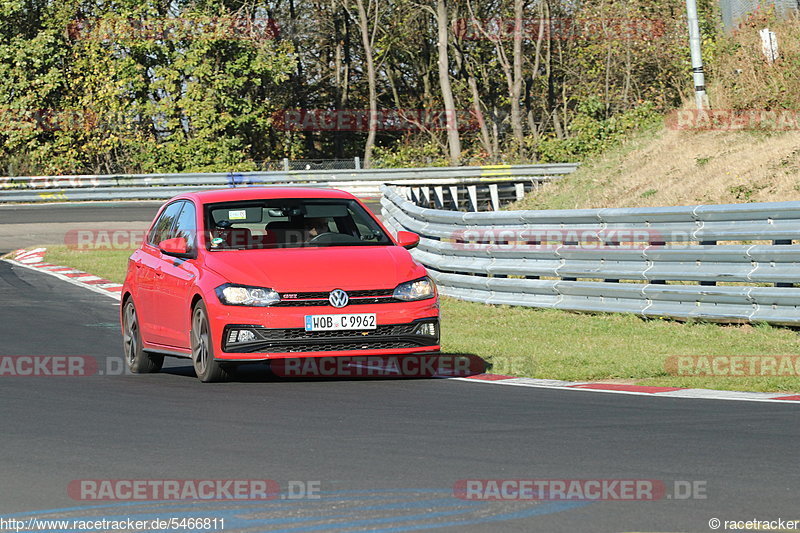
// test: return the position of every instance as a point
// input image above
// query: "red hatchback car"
(242, 275)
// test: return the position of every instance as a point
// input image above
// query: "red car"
(252, 274)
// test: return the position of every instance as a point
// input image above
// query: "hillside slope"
(670, 167)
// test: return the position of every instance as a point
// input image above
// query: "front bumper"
(418, 334)
(254, 334)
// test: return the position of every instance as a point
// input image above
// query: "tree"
(368, 42)
(442, 43)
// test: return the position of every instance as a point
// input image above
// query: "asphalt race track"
(42, 224)
(377, 454)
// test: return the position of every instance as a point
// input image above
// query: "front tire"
(137, 360)
(206, 367)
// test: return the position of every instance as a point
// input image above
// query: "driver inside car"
(314, 227)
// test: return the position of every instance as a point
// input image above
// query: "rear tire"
(137, 360)
(206, 367)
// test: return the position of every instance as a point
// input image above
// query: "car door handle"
(159, 273)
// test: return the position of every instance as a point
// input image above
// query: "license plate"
(340, 322)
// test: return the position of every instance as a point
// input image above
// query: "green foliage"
(132, 101)
(407, 154)
(590, 134)
(745, 193)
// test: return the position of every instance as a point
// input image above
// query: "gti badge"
(338, 298)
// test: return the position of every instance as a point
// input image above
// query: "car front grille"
(299, 333)
(291, 340)
(324, 347)
(361, 297)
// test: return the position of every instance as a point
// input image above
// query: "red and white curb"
(34, 260)
(640, 390)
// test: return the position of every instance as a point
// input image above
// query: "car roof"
(234, 194)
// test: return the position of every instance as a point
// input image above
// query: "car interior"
(290, 225)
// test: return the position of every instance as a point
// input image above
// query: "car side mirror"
(407, 240)
(176, 247)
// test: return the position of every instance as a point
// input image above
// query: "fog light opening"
(241, 335)
(426, 328)
(246, 336)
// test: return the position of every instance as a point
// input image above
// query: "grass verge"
(108, 264)
(544, 343)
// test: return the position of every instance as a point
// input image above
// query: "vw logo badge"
(338, 298)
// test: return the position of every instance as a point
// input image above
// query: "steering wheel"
(319, 237)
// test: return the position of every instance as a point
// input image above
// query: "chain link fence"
(355, 163)
(310, 164)
(733, 11)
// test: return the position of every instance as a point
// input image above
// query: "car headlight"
(230, 294)
(418, 289)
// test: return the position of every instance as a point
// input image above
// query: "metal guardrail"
(726, 263)
(468, 194)
(162, 186)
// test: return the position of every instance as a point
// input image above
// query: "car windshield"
(290, 223)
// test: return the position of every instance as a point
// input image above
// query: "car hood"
(317, 269)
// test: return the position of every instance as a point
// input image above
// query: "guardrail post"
(357, 162)
(417, 193)
(611, 243)
(657, 281)
(708, 283)
(472, 191)
(783, 242)
(570, 243)
(454, 196)
(519, 190)
(495, 197)
(439, 195)
(533, 243)
(426, 196)
(286, 164)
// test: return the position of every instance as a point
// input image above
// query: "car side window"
(163, 228)
(365, 227)
(186, 225)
